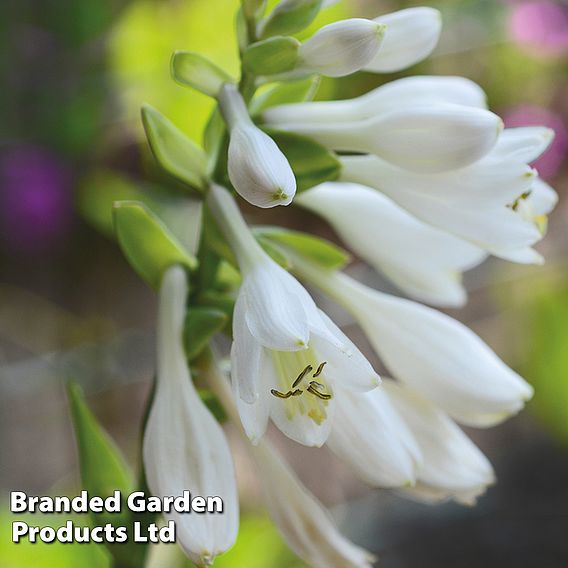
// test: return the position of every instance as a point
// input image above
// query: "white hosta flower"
(280, 340)
(480, 203)
(258, 169)
(453, 466)
(434, 354)
(421, 138)
(370, 436)
(341, 48)
(421, 260)
(391, 96)
(302, 519)
(411, 36)
(184, 446)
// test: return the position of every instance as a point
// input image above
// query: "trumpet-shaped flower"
(258, 169)
(421, 138)
(478, 203)
(302, 519)
(452, 466)
(340, 48)
(287, 356)
(370, 436)
(420, 259)
(434, 354)
(184, 446)
(391, 96)
(411, 36)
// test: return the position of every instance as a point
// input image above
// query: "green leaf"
(312, 163)
(215, 139)
(147, 243)
(103, 471)
(272, 56)
(174, 151)
(309, 246)
(201, 323)
(194, 70)
(253, 9)
(289, 17)
(296, 91)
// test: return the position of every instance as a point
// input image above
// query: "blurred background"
(74, 75)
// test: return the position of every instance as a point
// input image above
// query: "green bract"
(174, 151)
(289, 17)
(201, 324)
(194, 70)
(311, 162)
(314, 248)
(103, 471)
(272, 56)
(147, 243)
(282, 93)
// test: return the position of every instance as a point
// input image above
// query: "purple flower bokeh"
(541, 26)
(551, 161)
(36, 207)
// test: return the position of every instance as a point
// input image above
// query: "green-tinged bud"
(174, 151)
(272, 56)
(147, 243)
(194, 70)
(289, 17)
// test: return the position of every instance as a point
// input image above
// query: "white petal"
(426, 262)
(275, 307)
(341, 48)
(303, 521)
(347, 367)
(437, 356)
(245, 355)
(470, 203)
(543, 198)
(258, 170)
(524, 144)
(184, 446)
(431, 138)
(405, 92)
(411, 36)
(525, 255)
(369, 435)
(452, 464)
(254, 415)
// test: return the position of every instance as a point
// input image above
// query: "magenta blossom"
(35, 199)
(540, 26)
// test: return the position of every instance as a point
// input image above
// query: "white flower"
(411, 36)
(453, 466)
(278, 335)
(370, 436)
(421, 260)
(302, 519)
(184, 446)
(391, 96)
(434, 354)
(341, 48)
(480, 203)
(305, 524)
(422, 138)
(258, 169)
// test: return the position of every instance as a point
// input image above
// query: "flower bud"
(258, 170)
(341, 48)
(411, 35)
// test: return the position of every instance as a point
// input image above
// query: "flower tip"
(380, 29)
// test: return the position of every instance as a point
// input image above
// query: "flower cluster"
(422, 182)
